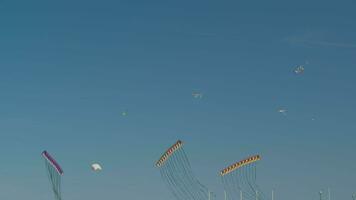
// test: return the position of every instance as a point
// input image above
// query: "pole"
(225, 196)
(240, 194)
(209, 195)
(256, 195)
(328, 193)
(272, 194)
(320, 193)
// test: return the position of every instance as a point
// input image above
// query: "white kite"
(299, 69)
(197, 95)
(283, 111)
(96, 167)
(124, 113)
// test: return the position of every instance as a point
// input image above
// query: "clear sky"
(68, 69)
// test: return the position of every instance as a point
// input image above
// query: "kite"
(299, 69)
(197, 95)
(176, 171)
(96, 167)
(283, 111)
(54, 172)
(239, 180)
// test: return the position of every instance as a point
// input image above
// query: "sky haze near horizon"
(68, 69)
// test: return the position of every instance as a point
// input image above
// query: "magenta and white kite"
(54, 172)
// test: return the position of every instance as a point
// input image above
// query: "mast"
(273, 195)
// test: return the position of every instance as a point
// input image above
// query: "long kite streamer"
(239, 180)
(176, 171)
(54, 172)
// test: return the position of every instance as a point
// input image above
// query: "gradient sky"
(68, 69)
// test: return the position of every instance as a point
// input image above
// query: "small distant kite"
(197, 95)
(299, 69)
(283, 111)
(124, 113)
(96, 167)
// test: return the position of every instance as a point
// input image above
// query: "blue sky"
(69, 69)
